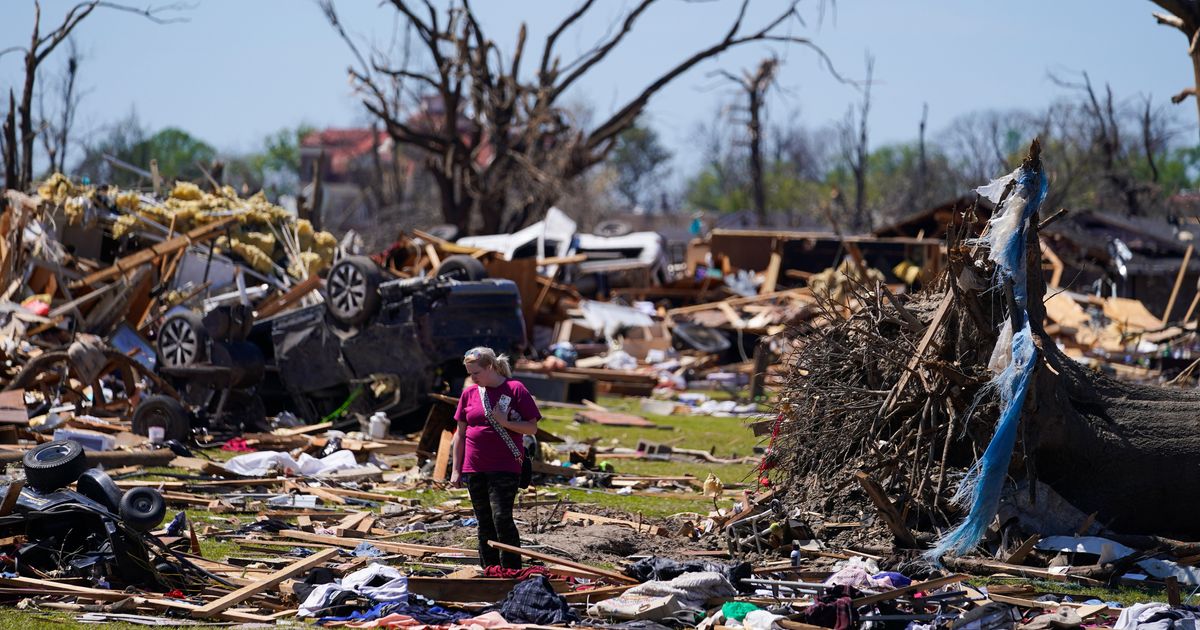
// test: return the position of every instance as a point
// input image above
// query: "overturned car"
(374, 344)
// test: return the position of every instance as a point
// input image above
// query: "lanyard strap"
(487, 412)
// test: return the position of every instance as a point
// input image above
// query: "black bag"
(519, 453)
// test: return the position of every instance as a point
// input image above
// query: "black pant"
(492, 497)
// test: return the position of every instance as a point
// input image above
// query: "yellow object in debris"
(186, 191)
(713, 486)
(907, 272)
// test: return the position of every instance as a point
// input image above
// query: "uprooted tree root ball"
(897, 390)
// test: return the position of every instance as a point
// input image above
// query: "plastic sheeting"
(266, 462)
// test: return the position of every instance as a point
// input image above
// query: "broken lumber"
(545, 557)
(258, 586)
(887, 509)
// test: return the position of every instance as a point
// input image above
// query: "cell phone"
(503, 404)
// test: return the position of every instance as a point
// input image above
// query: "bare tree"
(497, 141)
(856, 150)
(40, 47)
(56, 134)
(1185, 16)
(755, 85)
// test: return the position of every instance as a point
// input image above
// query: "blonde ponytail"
(486, 357)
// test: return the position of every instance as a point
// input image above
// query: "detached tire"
(165, 412)
(352, 290)
(461, 268)
(54, 465)
(96, 485)
(143, 509)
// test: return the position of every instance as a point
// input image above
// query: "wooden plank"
(42, 586)
(303, 430)
(12, 407)
(1023, 551)
(595, 594)
(545, 557)
(441, 468)
(407, 549)
(613, 419)
(927, 585)
(887, 509)
(1187, 255)
(11, 493)
(262, 584)
(293, 295)
(938, 318)
(152, 253)
(579, 517)
(773, 267)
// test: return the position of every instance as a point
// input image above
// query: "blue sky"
(240, 69)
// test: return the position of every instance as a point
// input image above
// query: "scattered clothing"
(834, 609)
(1065, 618)
(737, 611)
(376, 582)
(263, 463)
(690, 589)
(535, 602)
(495, 571)
(366, 550)
(662, 569)
(993, 616)
(760, 620)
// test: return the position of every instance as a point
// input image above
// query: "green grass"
(14, 619)
(728, 436)
(1125, 595)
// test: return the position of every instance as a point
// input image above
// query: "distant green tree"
(274, 168)
(640, 160)
(180, 155)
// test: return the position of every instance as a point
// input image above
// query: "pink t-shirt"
(485, 450)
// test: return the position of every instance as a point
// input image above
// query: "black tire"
(96, 485)
(143, 509)
(352, 290)
(165, 412)
(461, 268)
(54, 465)
(613, 227)
(182, 340)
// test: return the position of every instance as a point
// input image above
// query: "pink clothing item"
(485, 450)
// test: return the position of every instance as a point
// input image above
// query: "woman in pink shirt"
(489, 460)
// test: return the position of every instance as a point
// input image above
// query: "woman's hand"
(499, 415)
(456, 479)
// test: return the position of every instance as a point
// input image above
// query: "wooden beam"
(43, 586)
(293, 295)
(545, 557)
(914, 363)
(260, 585)
(1018, 556)
(887, 509)
(1187, 255)
(152, 253)
(927, 585)
(441, 467)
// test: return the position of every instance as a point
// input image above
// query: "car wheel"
(352, 290)
(165, 412)
(462, 268)
(143, 509)
(54, 465)
(182, 340)
(96, 485)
